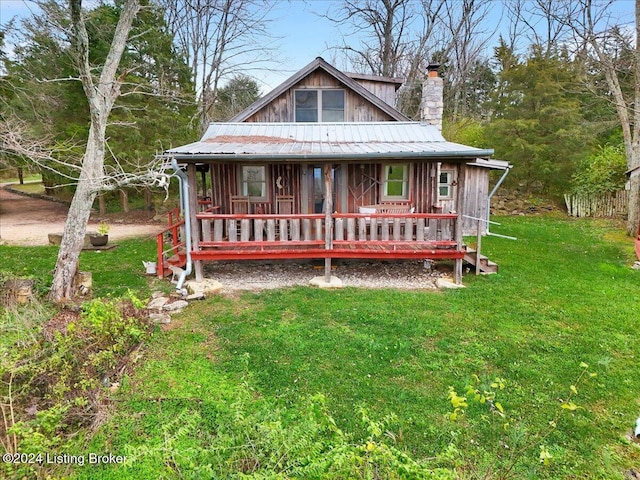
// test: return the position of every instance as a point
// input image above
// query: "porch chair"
(284, 206)
(239, 206)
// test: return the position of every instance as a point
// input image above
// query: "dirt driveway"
(26, 221)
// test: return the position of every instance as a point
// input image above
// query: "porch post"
(328, 220)
(460, 195)
(195, 228)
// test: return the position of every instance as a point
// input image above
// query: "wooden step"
(178, 260)
(486, 265)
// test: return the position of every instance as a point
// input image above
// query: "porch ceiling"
(323, 141)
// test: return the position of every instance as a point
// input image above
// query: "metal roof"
(317, 141)
(491, 163)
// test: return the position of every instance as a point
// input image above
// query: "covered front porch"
(317, 191)
(391, 231)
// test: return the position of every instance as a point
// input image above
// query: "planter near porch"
(99, 240)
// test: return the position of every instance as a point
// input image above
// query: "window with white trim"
(395, 182)
(254, 181)
(445, 184)
(319, 105)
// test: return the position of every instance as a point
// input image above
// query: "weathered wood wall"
(225, 181)
(363, 184)
(357, 109)
(384, 91)
(476, 187)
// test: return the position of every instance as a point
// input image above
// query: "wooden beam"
(195, 224)
(462, 169)
(328, 222)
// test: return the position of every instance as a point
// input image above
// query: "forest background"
(527, 78)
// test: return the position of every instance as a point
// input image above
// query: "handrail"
(302, 216)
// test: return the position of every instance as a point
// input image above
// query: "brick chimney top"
(432, 69)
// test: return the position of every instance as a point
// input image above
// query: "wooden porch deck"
(388, 236)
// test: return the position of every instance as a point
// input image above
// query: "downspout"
(186, 214)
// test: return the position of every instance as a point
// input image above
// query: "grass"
(113, 271)
(33, 188)
(226, 389)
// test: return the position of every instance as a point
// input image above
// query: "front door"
(318, 188)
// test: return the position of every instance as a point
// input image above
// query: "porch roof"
(323, 141)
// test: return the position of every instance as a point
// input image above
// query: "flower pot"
(99, 240)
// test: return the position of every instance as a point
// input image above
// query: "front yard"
(305, 383)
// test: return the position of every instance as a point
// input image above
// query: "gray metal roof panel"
(323, 139)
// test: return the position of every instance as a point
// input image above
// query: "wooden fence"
(613, 204)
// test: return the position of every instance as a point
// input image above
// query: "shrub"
(52, 370)
(604, 171)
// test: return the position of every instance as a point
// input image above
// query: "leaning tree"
(102, 87)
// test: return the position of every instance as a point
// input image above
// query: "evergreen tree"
(538, 123)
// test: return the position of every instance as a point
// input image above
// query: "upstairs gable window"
(319, 105)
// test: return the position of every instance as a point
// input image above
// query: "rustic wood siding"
(357, 109)
(225, 181)
(475, 199)
(365, 186)
(476, 186)
(384, 91)
(362, 185)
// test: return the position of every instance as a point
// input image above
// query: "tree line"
(89, 94)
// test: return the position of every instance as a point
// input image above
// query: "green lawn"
(248, 386)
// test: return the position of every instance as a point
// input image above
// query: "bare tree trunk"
(148, 199)
(63, 286)
(102, 206)
(124, 198)
(633, 156)
(101, 95)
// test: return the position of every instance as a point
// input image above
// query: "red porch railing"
(297, 236)
(173, 253)
(264, 236)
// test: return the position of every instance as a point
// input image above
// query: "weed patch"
(54, 368)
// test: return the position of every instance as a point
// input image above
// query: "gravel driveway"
(27, 221)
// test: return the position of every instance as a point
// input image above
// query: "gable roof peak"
(317, 63)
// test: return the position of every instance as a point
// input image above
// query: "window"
(445, 184)
(254, 181)
(396, 182)
(319, 105)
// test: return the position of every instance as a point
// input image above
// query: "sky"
(303, 33)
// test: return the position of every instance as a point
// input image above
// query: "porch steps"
(174, 263)
(486, 265)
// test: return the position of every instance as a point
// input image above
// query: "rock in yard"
(157, 303)
(160, 318)
(447, 282)
(207, 286)
(175, 306)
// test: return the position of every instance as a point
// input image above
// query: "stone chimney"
(432, 103)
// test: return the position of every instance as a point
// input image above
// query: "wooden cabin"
(323, 167)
